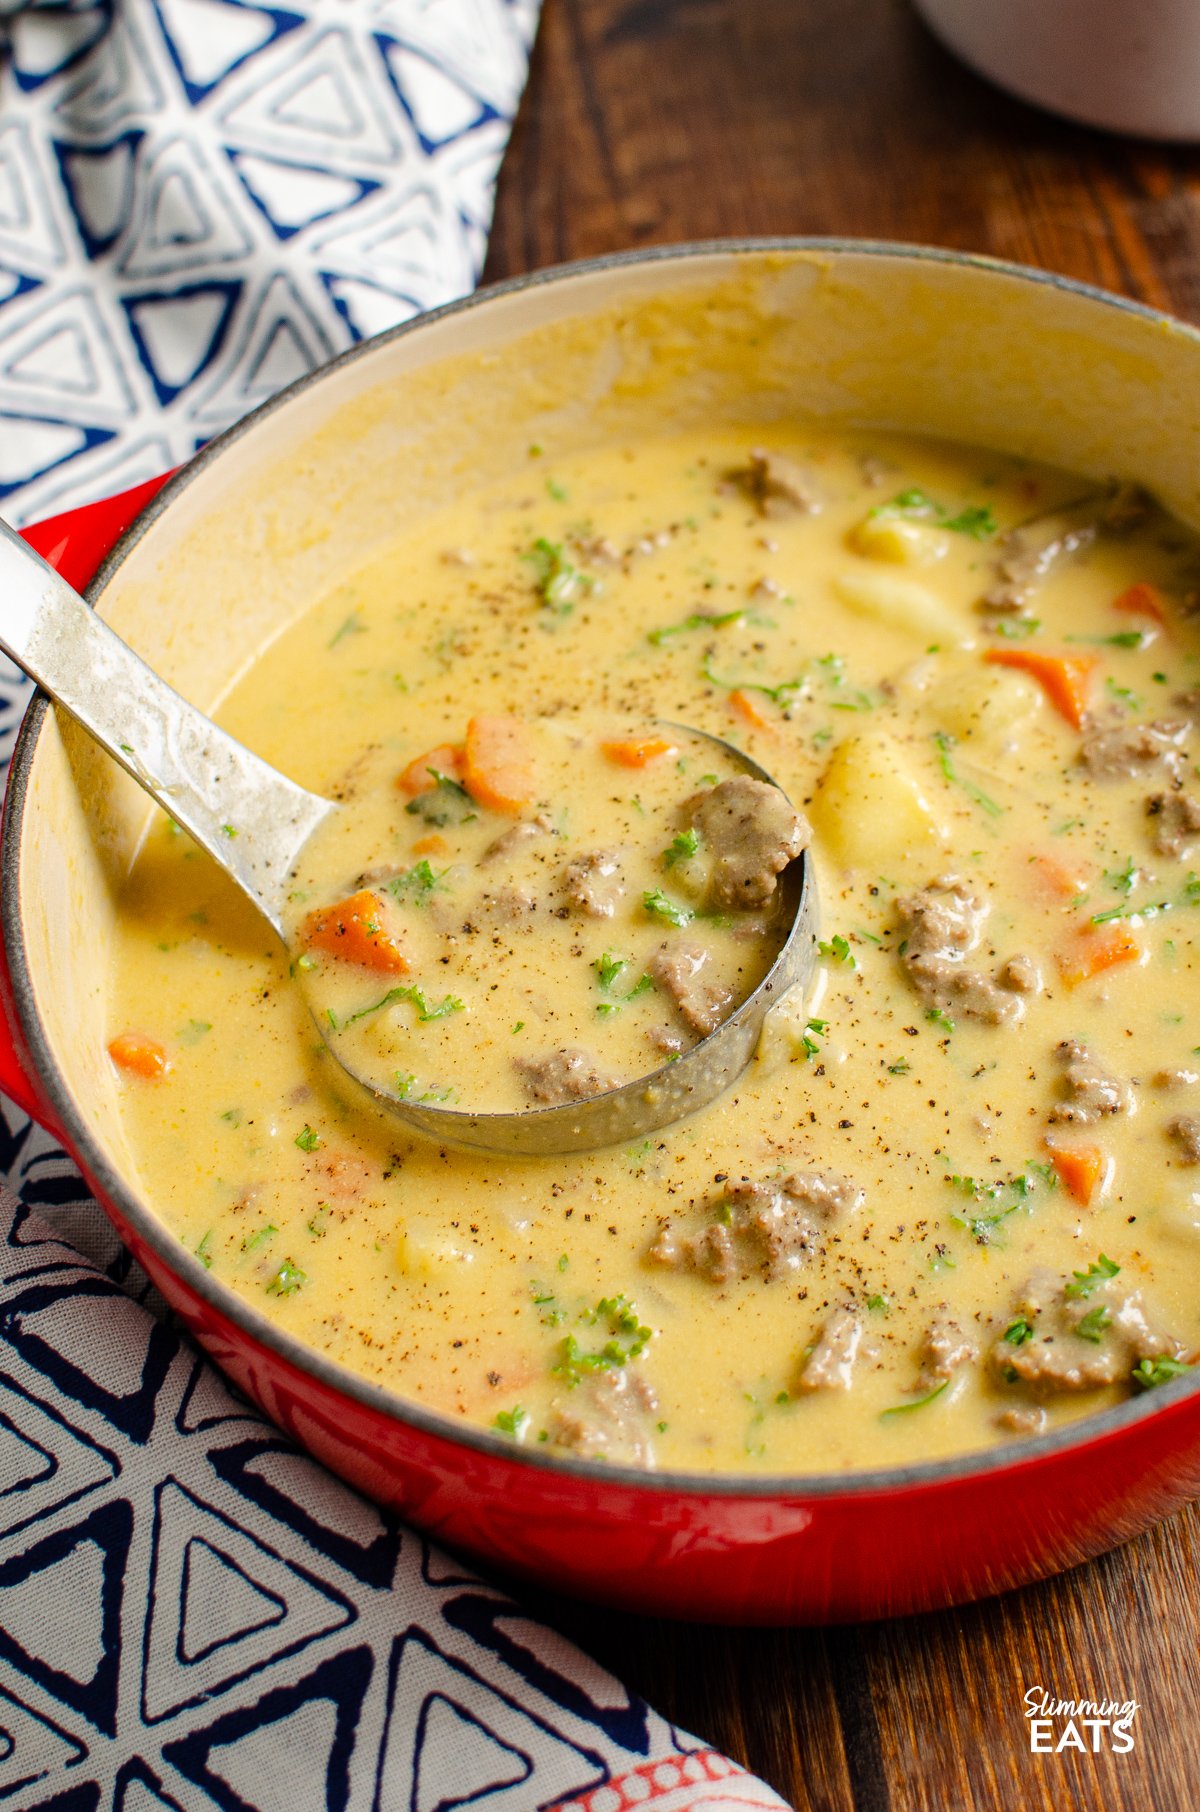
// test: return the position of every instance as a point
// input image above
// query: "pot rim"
(1085, 1431)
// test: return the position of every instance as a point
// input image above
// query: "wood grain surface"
(652, 121)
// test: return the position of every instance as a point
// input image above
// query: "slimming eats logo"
(1089, 1725)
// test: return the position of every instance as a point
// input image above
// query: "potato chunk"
(904, 605)
(900, 543)
(986, 710)
(868, 810)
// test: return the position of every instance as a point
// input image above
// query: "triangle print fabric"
(194, 1617)
(201, 200)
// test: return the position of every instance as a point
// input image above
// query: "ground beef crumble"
(939, 925)
(1090, 1092)
(770, 1227)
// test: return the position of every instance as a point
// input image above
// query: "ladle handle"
(250, 818)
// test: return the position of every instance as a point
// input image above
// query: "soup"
(954, 1198)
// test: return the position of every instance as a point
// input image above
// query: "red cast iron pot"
(269, 513)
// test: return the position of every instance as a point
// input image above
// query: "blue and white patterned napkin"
(200, 200)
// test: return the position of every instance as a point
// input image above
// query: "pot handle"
(75, 543)
(16, 1071)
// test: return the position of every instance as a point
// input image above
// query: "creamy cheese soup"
(956, 1197)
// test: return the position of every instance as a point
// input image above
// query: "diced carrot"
(1081, 1169)
(416, 778)
(1097, 949)
(1064, 678)
(432, 845)
(1057, 877)
(140, 1055)
(1142, 600)
(638, 751)
(354, 930)
(498, 768)
(748, 709)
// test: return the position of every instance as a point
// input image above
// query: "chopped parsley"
(416, 884)
(607, 968)
(409, 1089)
(1003, 1196)
(945, 742)
(308, 1140)
(557, 581)
(902, 1409)
(1016, 629)
(1018, 1332)
(445, 802)
(415, 997)
(1125, 638)
(1149, 1372)
(1148, 909)
(976, 520)
(698, 619)
(659, 906)
(684, 845)
(814, 1031)
(780, 694)
(625, 1339)
(1123, 694)
(938, 1017)
(513, 1422)
(899, 1068)
(838, 950)
(832, 669)
(1093, 1324)
(288, 1278)
(253, 1241)
(1121, 880)
(1084, 1282)
(353, 625)
(202, 1252)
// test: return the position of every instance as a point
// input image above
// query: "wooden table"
(661, 120)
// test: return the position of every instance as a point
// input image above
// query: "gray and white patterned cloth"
(200, 200)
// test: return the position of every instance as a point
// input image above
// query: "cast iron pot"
(274, 511)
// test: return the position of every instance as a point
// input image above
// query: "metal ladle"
(254, 822)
